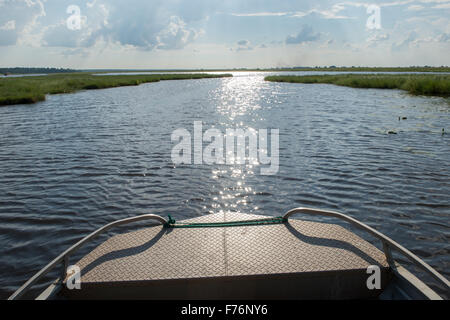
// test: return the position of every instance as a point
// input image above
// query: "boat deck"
(298, 258)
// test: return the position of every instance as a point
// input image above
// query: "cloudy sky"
(156, 34)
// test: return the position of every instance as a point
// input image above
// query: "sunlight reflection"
(240, 96)
(239, 102)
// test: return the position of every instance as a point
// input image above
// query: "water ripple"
(76, 162)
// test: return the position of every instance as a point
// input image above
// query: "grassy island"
(416, 84)
(19, 90)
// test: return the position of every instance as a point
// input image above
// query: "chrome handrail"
(387, 242)
(64, 257)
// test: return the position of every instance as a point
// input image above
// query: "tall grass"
(416, 84)
(368, 69)
(34, 89)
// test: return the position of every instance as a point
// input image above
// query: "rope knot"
(170, 222)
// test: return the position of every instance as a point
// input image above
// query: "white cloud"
(378, 37)
(58, 35)
(244, 45)
(306, 34)
(135, 32)
(176, 35)
(412, 37)
(151, 24)
(131, 24)
(442, 6)
(434, 1)
(415, 7)
(332, 13)
(10, 25)
(335, 11)
(91, 4)
(261, 14)
(444, 37)
(25, 14)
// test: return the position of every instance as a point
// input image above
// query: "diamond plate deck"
(155, 254)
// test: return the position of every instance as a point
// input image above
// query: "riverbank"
(416, 84)
(305, 69)
(424, 69)
(33, 89)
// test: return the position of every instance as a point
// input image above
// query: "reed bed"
(416, 84)
(22, 90)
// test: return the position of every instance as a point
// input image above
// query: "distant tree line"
(21, 70)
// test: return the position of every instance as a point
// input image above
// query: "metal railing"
(388, 243)
(64, 257)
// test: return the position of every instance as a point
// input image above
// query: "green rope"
(171, 221)
(275, 220)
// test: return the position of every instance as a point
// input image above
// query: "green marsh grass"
(21, 90)
(416, 84)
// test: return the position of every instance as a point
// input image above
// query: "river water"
(78, 161)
